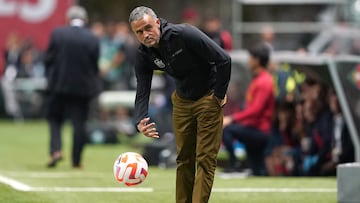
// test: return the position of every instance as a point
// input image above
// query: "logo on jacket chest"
(159, 63)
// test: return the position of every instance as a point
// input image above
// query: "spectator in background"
(342, 148)
(12, 50)
(124, 35)
(286, 79)
(73, 81)
(190, 16)
(251, 126)
(112, 59)
(97, 28)
(130, 45)
(284, 141)
(212, 28)
(316, 146)
(31, 61)
(11, 58)
(118, 48)
(287, 82)
(30, 69)
(267, 36)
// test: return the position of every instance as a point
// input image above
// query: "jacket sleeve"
(143, 87)
(208, 50)
(96, 53)
(50, 52)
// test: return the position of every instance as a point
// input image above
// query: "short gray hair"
(139, 12)
(76, 12)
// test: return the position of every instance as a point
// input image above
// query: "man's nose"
(146, 34)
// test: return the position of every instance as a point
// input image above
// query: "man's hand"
(148, 130)
(227, 121)
(221, 102)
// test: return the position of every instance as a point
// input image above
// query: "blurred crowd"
(22, 61)
(309, 135)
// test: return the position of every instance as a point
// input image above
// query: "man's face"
(147, 30)
(252, 63)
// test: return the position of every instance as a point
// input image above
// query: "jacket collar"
(164, 29)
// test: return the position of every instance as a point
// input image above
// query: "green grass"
(24, 153)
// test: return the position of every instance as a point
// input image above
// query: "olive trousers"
(198, 131)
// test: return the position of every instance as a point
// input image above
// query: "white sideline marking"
(91, 189)
(15, 184)
(284, 190)
(56, 175)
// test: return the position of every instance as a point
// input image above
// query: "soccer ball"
(130, 168)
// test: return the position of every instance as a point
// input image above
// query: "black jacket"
(197, 64)
(72, 62)
(347, 154)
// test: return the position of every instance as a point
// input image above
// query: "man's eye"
(147, 28)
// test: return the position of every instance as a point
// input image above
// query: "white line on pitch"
(17, 185)
(284, 190)
(91, 189)
(23, 187)
(57, 175)
(14, 184)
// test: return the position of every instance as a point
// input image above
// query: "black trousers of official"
(67, 107)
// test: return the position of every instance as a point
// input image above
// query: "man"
(213, 29)
(72, 73)
(341, 145)
(251, 126)
(201, 70)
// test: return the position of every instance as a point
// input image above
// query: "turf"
(24, 153)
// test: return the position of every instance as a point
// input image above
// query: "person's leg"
(55, 119)
(209, 115)
(55, 135)
(78, 113)
(254, 140)
(55, 126)
(228, 140)
(185, 136)
(256, 160)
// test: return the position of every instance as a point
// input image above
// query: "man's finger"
(144, 121)
(152, 134)
(150, 125)
(150, 130)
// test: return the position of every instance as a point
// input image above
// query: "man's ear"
(158, 21)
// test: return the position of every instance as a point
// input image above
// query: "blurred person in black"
(73, 81)
(342, 148)
(201, 70)
(316, 145)
(213, 29)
